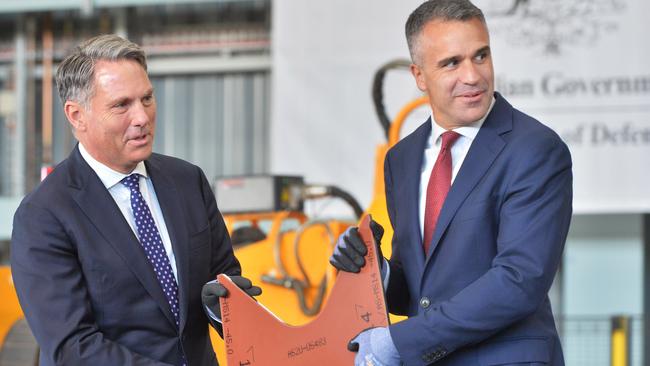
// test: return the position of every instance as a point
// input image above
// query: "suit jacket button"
(425, 302)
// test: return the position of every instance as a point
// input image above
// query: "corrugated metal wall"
(219, 122)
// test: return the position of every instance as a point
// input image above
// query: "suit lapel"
(170, 204)
(411, 158)
(100, 207)
(484, 150)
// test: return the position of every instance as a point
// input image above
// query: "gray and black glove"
(350, 250)
(213, 290)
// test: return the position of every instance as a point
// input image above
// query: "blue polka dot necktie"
(152, 243)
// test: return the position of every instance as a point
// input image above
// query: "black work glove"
(213, 290)
(350, 250)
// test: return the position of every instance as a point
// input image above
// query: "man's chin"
(146, 155)
(141, 153)
(474, 115)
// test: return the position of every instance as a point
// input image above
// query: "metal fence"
(586, 340)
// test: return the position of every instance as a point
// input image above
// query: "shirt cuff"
(385, 273)
(211, 314)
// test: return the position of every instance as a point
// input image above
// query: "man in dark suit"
(490, 191)
(111, 251)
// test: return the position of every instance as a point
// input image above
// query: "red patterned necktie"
(438, 187)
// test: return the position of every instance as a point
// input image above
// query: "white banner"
(579, 66)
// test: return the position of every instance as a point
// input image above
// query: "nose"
(469, 73)
(140, 114)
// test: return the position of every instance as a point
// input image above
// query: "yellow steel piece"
(10, 310)
(277, 219)
(620, 341)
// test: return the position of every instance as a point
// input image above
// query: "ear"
(76, 115)
(419, 77)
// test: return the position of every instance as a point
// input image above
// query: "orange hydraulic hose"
(396, 126)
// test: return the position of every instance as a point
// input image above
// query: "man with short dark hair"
(479, 198)
(111, 252)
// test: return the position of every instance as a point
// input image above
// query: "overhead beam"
(25, 6)
(207, 64)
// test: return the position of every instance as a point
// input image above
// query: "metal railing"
(602, 340)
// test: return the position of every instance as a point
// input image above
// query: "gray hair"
(445, 10)
(75, 74)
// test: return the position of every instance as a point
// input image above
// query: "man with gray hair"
(110, 253)
(479, 197)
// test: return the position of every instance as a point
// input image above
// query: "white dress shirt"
(122, 196)
(458, 153)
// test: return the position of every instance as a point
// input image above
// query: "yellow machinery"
(17, 344)
(9, 308)
(290, 262)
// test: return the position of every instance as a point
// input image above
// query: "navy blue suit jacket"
(87, 289)
(479, 297)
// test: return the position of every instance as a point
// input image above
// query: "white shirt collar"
(470, 131)
(108, 176)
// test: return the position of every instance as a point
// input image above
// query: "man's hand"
(213, 290)
(350, 250)
(374, 347)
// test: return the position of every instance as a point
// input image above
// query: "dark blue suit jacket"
(479, 297)
(87, 289)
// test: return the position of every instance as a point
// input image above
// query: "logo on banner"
(553, 25)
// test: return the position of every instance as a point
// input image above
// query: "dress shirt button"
(425, 302)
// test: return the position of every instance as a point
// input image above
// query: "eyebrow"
(485, 49)
(112, 102)
(447, 60)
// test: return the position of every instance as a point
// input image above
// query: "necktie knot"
(448, 139)
(132, 181)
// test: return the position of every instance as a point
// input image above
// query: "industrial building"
(283, 88)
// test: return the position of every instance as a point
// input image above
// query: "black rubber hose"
(378, 91)
(348, 198)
